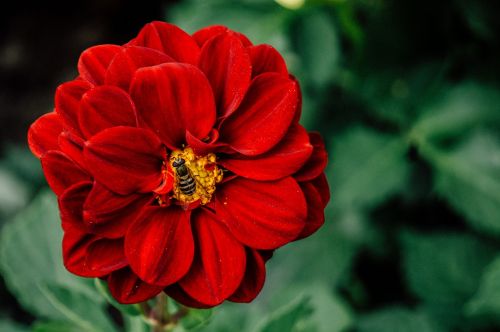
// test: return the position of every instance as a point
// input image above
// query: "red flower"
(179, 165)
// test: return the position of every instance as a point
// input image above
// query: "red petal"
(67, 100)
(206, 146)
(219, 263)
(105, 256)
(203, 35)
(172, 98)
(109, 214)
(170, 40)
(104, 107)
(168, 180)
(72, 146)
(265, 59)
(315, 213)
(178, 294)
(61, 172)
(74, 247)
(71, 205)
(283, 160)
(255, 276)
(317, 162)
(264, 116)
(298, 111)
(128, 60)
(95, 60)
(43, 134)
(125, 159)
(262, 215)
(226, 63)
(321, 185)
(159, 245)
(127, 288)
(244, 39)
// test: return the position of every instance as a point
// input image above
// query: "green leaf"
(326, 310)
(367, 167)
(316, 42)
(448, 317)
(444, 268)
(262, 22)
(287, 318)
(20, 161)
(14, 193)
(31, 263)
(135, 324)
(395, 320)
(461, 108)
(486, 301)
(9, 326)
(469, 178)
(394, 95)
(331, 313)
(54, 326)
(196, 318)
(350, 25)
(230, 317)
(333, 254)
(78, 308)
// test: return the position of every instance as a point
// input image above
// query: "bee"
(187, 184)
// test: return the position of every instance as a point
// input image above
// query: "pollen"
(202, 169)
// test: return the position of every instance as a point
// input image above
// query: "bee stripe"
(187, 184)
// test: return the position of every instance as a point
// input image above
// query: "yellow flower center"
(195, 176)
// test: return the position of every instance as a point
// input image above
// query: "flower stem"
(145, 308)
(160, 313)
(159, 316)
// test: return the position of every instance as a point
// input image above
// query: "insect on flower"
(179, 165)
(187, 185)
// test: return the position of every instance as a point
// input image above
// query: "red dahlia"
(179, 165)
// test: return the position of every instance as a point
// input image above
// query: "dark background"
(40, 43)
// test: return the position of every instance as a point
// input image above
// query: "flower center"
(195, 177)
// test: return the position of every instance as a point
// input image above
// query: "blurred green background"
(406, 96)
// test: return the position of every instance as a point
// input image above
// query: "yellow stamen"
(203, 170)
